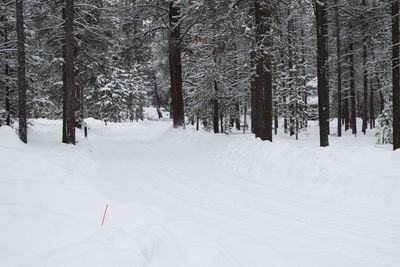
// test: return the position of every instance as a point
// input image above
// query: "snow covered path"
(185, 198)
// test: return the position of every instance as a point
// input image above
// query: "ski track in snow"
(186, 198)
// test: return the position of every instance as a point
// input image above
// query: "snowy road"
(181, 198)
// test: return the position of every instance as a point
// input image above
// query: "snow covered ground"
(181, 198)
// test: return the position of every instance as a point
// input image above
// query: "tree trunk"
(263, 73)
(292, 107)
(221, 116)
(157, 96)
(7, 87)
(382, 101)
(258, 96)
(372, 97)
(303, 60)
(365, 95)
(353, 110)
(371, 107)
(197, 122)
(64, 115)
(232, 122)
(365, 80)
(69, 79)
(253, 115)
(175, 66)
(216, 109)
(306, 103)
(21, 71)
(285, 120)
(245, 118)
(396, 74)
(339, 69)
(276, 120)
(237, 119)
(346, 111)
(321, 13)
(80, 104)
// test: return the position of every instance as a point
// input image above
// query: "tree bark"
(396, 74)
(216, 109)
(157, 96)
(346, 112)
(321, 13)
(339, 69)
(21, 71)
(371, 107)
(64, 88)
(221, 117)
(263, 73)
(197, 122)
(365, 78)
(372, 97)
(245, 118)
(353, 109)
(276, 119)
(292, 107)
(237, 119)
(365, 95)
(69, 80)
(7, 87)
(175, 66)
(381, 97)
(304, 71)
(253, 114)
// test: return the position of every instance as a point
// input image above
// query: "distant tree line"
(221, 65)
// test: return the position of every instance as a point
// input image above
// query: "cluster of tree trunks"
(262, 96)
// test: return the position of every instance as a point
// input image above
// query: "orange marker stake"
(104, 216)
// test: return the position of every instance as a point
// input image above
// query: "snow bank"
(8, 138)
(360, 173)
(180, 198)
(179, 244)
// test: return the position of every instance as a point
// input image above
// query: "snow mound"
(8, 138)
(150, 113)
(92, 121)
(179, 244)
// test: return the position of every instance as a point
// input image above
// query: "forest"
(209, 63)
